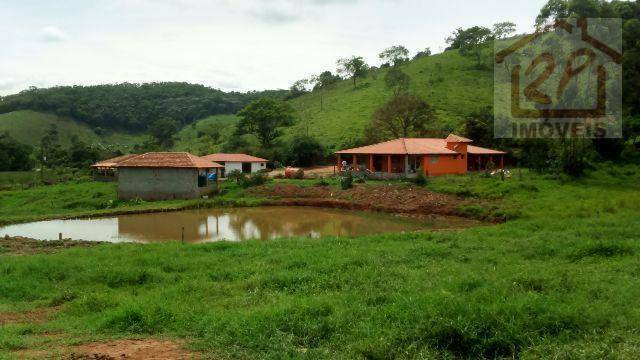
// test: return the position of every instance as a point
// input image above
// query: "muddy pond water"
(235, 224)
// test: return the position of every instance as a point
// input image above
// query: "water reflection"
(263, 223)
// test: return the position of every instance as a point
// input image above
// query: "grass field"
(28, 127)
(447, 81)
(205, 136)
(561, 281)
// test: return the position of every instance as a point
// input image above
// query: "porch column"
(370, 163)
(388, 163)
(355, 162)
(501, 161)
(406, 165)
(339, 163)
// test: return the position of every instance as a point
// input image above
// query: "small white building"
(242, 162)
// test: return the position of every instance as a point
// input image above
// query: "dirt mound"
(148, 349)
(389, 198)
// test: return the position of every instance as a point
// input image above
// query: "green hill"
(449, 82)
(207, 135)
(28, 127)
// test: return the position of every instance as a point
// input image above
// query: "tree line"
(132, 107)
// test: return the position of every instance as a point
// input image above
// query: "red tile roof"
(477, 150)
(108, 163)
(233, 158)
(402, 146)
(417, 146)
(168, 160)
(456, 138)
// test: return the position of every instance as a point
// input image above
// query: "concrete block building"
(165, 175)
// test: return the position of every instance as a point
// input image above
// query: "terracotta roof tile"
(113, 161)
(168, 160)
(233, 158)
(477, 150)
(456, 138)
(411, 146)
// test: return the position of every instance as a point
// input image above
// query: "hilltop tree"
(503, 29)
(423, 53)
(396, 81)
(298, 88)
(321, 82)
(403, 116)
(470, 41)
(263, 118)
(353, 68)
(394, 55)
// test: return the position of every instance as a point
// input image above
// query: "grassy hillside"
(28, 127)
(448, 81)
(206, 136)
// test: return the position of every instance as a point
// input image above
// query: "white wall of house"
(255, 167)
(230, 166)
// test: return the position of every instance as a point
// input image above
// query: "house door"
(246, 168)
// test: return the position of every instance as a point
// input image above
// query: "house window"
(434, 159)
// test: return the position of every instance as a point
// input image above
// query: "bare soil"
(128, 349)
(17, 245)
(386, 198)
(31, 317)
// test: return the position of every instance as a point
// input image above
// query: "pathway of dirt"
(146, 349)
(31, 317)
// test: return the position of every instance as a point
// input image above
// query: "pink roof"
(233, 158)
(168, 160)
(417, 146)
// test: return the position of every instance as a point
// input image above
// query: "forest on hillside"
(132, 107)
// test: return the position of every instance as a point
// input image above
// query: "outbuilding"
(165, 175)
(247, 164)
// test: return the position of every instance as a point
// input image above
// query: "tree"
(80, 154)
(264, 117)
(14, 156)
(163, 130)
(424, 53)
(396, 80)
(503, 29)
(50, 151)
(403, 116)
(394, 55)
(321, 82)
(305, 150)
(298, 88)
(470, 41)
(353, 68)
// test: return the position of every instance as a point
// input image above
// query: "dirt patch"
(387, 198)
(143, 349)
(34, 316)
(309, 171)
(17, 245)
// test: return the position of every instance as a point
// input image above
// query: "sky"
(233, 45)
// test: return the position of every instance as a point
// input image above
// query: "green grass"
(206, 136)
(561, 281)
(28, 127)
(447, 81)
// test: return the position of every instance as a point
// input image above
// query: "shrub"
(299, 174)
(321, 181)
(237, 176)
(346, 182)
(420, 178)
(255, 179)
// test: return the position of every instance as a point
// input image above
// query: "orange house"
(407, 156)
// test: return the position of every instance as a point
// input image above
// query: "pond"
(233, 224)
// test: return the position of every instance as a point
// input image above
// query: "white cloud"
(52, 34)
